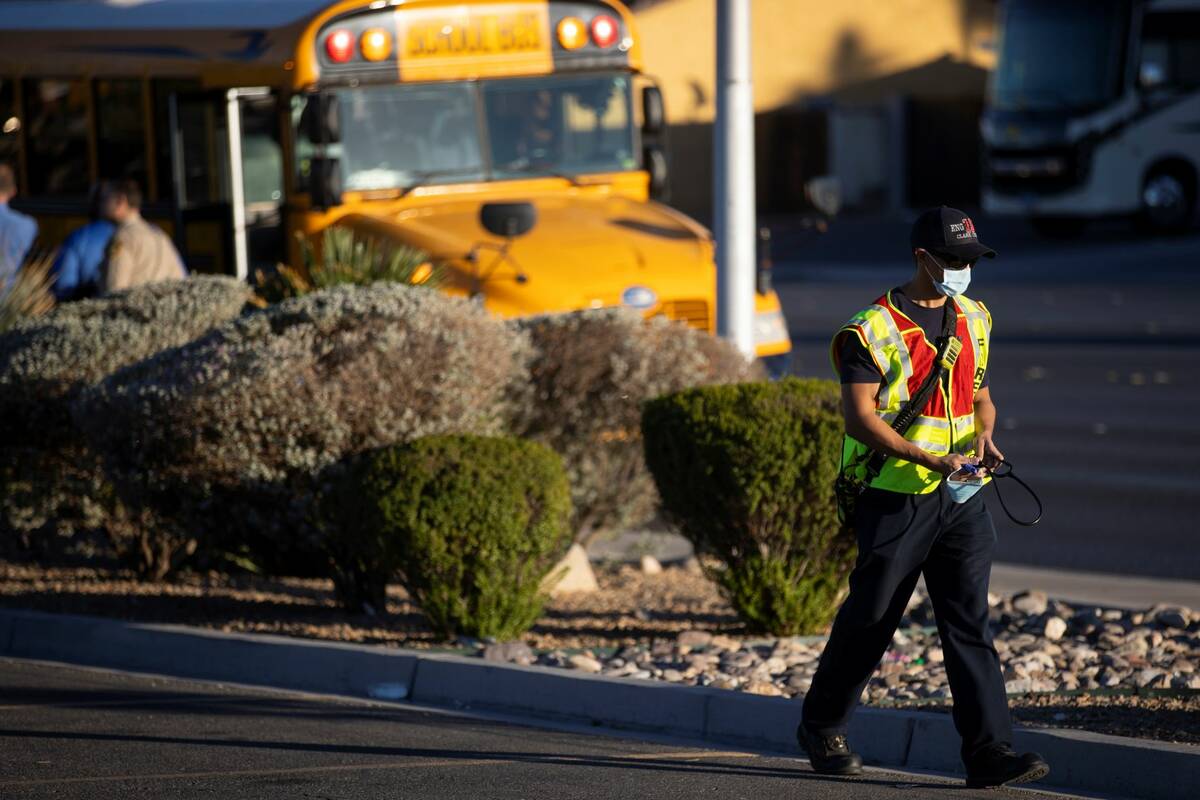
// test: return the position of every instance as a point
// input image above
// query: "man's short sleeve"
(855, 364)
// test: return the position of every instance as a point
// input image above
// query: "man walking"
(139, 252)
(17, 231)
(917, 408)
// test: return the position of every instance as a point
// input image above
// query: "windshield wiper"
(421, 178)
(519, 168)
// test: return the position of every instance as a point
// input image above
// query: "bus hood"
(582, 252)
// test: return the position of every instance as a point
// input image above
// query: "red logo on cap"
(969, 226)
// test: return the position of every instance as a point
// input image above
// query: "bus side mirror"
(655, 161)
(320, 120)
(653, 111)
(325, 182)
(507, 220)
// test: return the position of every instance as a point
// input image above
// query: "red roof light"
(605, 31)
(339, 45)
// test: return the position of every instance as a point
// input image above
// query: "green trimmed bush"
(590, 374)
(746, 471)
(229, 436)
(54, 497)
(472, 525)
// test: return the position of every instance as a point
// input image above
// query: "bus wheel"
(1168, 200)
(1059, 227)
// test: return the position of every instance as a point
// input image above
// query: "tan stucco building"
(855, 88)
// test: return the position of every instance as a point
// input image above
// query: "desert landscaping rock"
(690, 640)
(576, 572)
(584, 663)
(1030, 603)
(509, 652)
(651, 565)
(1173, 618)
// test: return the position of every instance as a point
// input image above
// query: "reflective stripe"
(931, 422)
(883, 339)
(882, 336)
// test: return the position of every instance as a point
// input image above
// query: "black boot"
(829, 755)
(997, 765)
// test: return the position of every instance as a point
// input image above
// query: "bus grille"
(693, 312)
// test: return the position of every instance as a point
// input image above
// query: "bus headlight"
(770, 327)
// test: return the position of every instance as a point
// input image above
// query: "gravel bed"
(1108, 670)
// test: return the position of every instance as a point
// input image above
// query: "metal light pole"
(733, 168)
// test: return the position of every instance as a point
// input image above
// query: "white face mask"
(962, 491)
(954, 281)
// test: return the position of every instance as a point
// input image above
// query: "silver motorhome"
(1094, 111)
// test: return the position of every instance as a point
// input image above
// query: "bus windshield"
(399, 137)
(1065, 55)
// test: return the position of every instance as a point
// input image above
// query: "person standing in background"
(139, 252)
(17, 230)
(77, 269)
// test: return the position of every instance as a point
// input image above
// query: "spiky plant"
(347, 256)
(29, 293)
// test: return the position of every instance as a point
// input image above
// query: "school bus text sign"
(454, 42)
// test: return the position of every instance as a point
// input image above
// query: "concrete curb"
(1081, 762)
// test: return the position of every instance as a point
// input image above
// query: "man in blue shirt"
(17, 231)
(77, 270)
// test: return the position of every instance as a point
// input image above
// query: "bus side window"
(10, 123)
(1170, 51)
(56, 112)
(305, 150)
(120, 130)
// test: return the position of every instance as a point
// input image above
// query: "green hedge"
(470, 524)
(746, 471)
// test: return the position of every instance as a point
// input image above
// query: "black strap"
(912, 409)
(999, 471)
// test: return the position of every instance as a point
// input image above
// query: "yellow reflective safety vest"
(905, 357)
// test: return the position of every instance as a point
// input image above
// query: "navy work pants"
(901, 536)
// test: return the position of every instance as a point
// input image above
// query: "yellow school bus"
(516, 141)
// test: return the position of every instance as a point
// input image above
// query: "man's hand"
(989, 455)
(951, 463)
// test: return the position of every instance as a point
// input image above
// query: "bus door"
(227, 170)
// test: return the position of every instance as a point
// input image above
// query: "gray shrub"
(230, 435)
(590, 374)
(53, 496)
(45, 361)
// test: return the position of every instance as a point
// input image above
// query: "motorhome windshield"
(1062, 55)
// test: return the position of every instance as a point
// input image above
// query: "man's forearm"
(879, 436)
(985, 417)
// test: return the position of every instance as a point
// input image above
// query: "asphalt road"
(73, 733)
(1095, 373)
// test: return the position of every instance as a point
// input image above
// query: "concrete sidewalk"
(1082, 762)
(1096, 588)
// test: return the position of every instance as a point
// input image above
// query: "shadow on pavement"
(636, 762)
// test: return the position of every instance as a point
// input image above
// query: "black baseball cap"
(948, 233)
